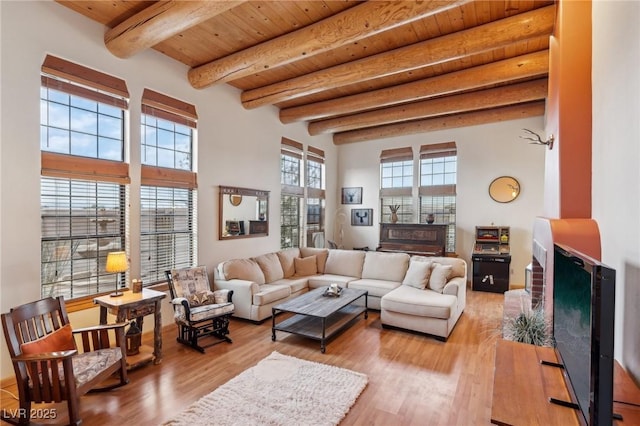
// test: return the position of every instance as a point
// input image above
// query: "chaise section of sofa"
(431, 298)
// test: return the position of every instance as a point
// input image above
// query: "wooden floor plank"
(413, 379)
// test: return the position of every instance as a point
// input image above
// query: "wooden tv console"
(522, 388)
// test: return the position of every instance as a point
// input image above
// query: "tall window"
(167, 195)
(438, 175)
(315, 198)
(396, 185)
(292, 193)
(83, 178)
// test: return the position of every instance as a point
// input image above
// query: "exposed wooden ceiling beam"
(526, 66)
(472, 101)
(479, 39)
(532, 109)
(161, 21)
(354, 24)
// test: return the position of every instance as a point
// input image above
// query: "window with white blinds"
(168, 235)
(82, 221)
(315, 197)
(291, 193)
(438, 177)
(83, 178)
(167, 239)
(435, 186)
(396, 184)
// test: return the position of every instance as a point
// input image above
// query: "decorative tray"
(328, 293)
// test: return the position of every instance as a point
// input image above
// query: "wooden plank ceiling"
(359, 70)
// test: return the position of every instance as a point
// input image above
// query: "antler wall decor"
(538, 140)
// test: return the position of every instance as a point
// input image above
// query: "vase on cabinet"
(394, 217)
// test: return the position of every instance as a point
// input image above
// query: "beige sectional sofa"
(424, 294)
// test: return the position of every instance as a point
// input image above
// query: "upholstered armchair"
(50, 367)
(198, 311)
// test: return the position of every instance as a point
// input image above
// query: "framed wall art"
(361, 217)
(352, 195)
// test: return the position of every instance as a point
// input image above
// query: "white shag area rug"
(279, 390)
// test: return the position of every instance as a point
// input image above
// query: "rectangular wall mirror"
(243, 213)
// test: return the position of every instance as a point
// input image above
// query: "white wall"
(616, 160)
(236, 147)
(484, 153)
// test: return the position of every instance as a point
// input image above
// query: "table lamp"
(117, 262)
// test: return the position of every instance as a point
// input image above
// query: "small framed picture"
(352, 195)
(361, 217)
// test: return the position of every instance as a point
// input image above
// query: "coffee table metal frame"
(319, 317)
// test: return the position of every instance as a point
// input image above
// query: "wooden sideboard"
(522, 386)
(413, 238)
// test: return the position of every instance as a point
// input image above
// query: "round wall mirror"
(235, 199)
(504, 189)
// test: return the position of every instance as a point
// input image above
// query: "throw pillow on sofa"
(439, 276)
(321, 256)
(306, 266)
(243, 269)
(271, 267)
(287, 257)
(418, 274)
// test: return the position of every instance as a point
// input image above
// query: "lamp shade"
(117, 262)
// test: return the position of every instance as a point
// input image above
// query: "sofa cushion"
(320, 253)
(243, 269)
(287, 257)
(418, 274)
(306, 266)
(271, 267)
(296, 284)
(271, 293)
(385, 266)
(424, 303)
(439, 276)
(324, 280)
(345, 262)
(376, 288)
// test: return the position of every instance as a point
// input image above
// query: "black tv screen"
(583, 328)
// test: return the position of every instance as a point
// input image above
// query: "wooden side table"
(135, 306)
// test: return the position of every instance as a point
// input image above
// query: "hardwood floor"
(413, 379)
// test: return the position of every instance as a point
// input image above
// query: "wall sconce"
(538, 140)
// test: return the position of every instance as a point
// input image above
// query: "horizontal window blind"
(82, 221)
(167, 227)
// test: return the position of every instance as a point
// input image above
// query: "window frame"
(173, 117)
(98, 93)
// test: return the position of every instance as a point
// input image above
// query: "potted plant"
(529, 326)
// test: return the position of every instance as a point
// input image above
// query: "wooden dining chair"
(50, 367)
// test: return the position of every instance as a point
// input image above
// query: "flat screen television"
(583, 328)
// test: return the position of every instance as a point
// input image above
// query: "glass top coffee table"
(319, 317)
